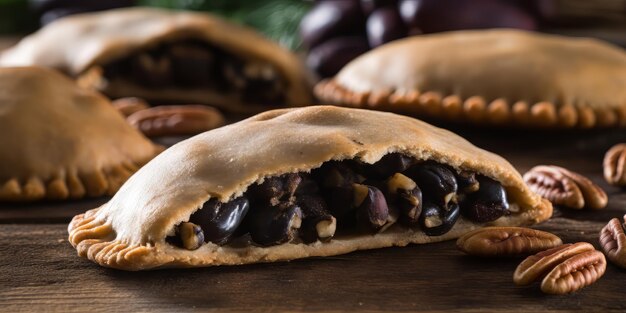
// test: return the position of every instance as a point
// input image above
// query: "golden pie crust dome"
(79, 45)
(129, 231)
(60, 141)
(499, 77)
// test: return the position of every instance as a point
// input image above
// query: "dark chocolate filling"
(193, 64)
(348, 197)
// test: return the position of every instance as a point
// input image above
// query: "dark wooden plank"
(39, 271)
(46, 212)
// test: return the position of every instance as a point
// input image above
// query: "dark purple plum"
(330, 19)
(329, 57)
(445, 15)
(384, 25)
(408, 11)
(368, 6)
(51, 10)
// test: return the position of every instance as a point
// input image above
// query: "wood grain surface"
(39, 270)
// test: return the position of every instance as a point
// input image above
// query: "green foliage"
(277, 19)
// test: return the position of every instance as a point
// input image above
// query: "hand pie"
(501, 77)
(168, 56)
(60, 141)
(294, 183)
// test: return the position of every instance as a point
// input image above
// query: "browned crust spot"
(543, 114)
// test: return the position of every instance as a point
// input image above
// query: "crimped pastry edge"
(69, 183)
(477, 109)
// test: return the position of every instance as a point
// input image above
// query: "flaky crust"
(60, 141)
(129, 231)
(501, 77)
(77, 44)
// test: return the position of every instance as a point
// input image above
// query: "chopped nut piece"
(404, 193)
(399, 182)
(317, 221)
(191, 235)
(326, 228)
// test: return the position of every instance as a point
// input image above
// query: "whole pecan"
(176, 120)
(565, 268)
(506, 241)
(537, 265)
(566, 188)
(129, 105)
(613, 241)
(614, 165)
(575, 273)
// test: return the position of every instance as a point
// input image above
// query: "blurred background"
(330, 33)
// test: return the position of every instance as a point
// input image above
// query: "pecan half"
(615, 165)
(541, 263)
(575, 273)
(613, 241)
(176, 120)
(565, 269)
(566, 188)
(129, 105)
(506, 241)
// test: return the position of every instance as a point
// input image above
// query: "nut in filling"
(347, 197)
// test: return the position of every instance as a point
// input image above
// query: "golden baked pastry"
(168, 56)
(501, 77)
(295, 183)
(60, 141)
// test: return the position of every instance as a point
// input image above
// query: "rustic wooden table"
(39, 270)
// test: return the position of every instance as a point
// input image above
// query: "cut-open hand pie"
(60, 141)
(295, 183)
(501, 77)
(168, 56)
